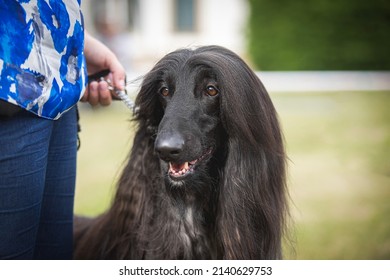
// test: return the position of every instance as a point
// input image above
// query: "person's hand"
(100, 57)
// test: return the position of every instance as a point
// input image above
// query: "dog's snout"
(169, 147)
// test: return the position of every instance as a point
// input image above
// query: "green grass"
(338, 144)
(339, 170)
(106, 137)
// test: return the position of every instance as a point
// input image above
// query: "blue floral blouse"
(42, 65)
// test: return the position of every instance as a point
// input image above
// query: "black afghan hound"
(206, 174)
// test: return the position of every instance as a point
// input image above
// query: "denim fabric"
(37, 182)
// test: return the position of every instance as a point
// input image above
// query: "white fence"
(325, 80)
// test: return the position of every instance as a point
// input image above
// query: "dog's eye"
(211, 90)
(164, 91)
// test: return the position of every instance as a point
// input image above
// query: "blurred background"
(326, 66)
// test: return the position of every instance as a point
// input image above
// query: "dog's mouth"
(181, 170)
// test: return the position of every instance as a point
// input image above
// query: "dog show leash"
(122, 94)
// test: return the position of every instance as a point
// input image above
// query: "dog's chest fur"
(186, 233)
(192, 233)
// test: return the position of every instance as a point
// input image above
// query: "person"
(45, 57)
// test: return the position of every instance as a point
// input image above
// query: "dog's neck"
(194, 216)
(184, 219)
(190, 222)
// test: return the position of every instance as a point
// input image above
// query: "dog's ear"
(252, 187)
(149, 110)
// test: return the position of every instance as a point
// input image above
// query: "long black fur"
(232, 205)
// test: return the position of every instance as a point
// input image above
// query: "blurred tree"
(320, 34)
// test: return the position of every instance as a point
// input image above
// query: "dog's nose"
(169, 147)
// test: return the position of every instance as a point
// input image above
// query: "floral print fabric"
(42, 65)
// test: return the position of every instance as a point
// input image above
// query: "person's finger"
(118, 75)
(84, 98)
(93, 96)
(104, 94)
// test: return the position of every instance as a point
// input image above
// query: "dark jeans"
(37, 182)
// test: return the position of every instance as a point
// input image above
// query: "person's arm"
(100, 57)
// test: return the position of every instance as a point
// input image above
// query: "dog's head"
(187, 137)
(195, 100)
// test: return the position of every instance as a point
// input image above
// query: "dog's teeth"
(178, 169)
